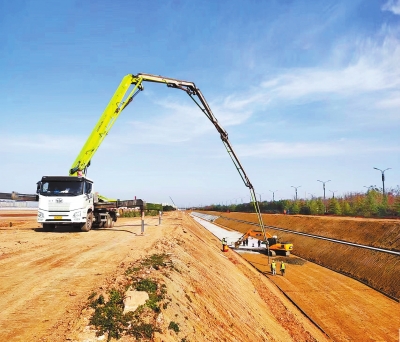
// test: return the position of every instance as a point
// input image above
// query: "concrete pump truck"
(71, 200)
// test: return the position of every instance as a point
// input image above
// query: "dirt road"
(44, 275)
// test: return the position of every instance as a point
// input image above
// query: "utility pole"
(333, 193)
(296, 187)
(383, 178)
(259, 195)
(273, 195)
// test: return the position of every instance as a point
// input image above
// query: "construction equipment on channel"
(275, 247)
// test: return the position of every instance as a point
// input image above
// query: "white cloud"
(179, 123)
(284, 150)
(39, 142)
(392, 6)
(390, 101)
(370, 81)
(377, 69)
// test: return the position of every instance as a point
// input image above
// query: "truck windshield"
(58, 188)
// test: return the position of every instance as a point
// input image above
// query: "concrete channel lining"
(230, 235)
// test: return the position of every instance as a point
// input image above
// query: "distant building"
(17, 204)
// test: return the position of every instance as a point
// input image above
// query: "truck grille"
(58, 206)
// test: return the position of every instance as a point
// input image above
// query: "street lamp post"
(296, 187)
(324, 190)
(324, 186)
(333, 193)
(260, 195)
(273, 195)
(383, 178)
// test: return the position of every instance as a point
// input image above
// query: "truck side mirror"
(38, 186)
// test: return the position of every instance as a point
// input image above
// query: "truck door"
(88, 191)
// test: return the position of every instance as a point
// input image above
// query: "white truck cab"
(65, 200)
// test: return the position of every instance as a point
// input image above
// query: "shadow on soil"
(70, 229)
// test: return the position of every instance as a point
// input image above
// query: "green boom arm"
(103, 126)
(119, 102)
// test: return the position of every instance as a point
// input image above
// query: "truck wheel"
(109, 222)
(88, 224)
(48, 227)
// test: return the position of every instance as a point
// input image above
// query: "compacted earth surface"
(379, 270)
(52, 284)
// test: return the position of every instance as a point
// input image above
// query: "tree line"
(373, 203)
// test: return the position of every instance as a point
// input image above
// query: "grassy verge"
(108, 315)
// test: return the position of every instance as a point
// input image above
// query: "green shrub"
(155, 260)
(142, 330)
(295, 208)
(147, 285)
(174, 326)
(334, 207)
(154, 206)
(108, 318)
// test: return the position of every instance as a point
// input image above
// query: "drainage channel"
(342, 242)
(232, 236)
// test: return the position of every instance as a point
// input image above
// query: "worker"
(224, 245)
(283, 268)
(273, 267)
(259, 243)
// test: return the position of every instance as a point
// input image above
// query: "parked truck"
(71, 200)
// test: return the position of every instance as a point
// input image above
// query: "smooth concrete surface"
(230, 235)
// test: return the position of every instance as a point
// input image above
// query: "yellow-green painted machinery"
(120, 100)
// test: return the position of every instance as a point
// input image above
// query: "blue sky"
(307, 90)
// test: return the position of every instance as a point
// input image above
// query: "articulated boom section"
(119, 102)
(103, 126)
(191, 89)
